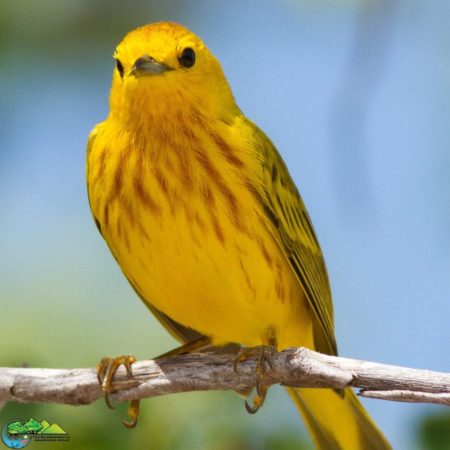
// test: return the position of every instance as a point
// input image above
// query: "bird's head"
(163, 68)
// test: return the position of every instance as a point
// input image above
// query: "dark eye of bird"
(119, 68)
(187, 57)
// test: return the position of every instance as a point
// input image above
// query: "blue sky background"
(356, 97)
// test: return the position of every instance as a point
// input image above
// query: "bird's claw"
(133, 413)
(264, 354)
(106, 369)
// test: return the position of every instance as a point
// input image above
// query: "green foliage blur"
(188, 421)
(434, 431)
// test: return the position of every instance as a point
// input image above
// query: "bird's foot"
(106, 370)
(264, 354)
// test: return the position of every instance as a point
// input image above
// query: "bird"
(202, 216)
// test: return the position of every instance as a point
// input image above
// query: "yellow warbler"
(205, 221)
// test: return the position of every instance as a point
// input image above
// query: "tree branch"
(297, 367)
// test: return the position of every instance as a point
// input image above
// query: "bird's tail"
(336, 420)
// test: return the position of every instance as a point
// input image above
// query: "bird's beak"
(146, 65)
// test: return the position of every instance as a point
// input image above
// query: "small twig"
(409, 396)
(297, 367)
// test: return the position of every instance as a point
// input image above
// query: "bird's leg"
(199, 344)
(264, 354)
(107, 368)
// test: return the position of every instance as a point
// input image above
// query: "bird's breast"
(188, 234)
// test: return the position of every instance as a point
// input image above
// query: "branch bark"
(297, 367)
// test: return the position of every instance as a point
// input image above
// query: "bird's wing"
(291, 227)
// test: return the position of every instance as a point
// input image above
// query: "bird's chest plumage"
(188, 235)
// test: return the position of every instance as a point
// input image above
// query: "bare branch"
(297, 367)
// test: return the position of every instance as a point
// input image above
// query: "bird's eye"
(187, 57)
(119, 68)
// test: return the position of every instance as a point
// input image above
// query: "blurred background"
(356, 96)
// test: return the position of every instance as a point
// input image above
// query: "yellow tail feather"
(337, 420)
